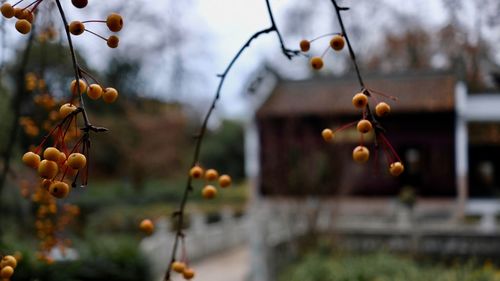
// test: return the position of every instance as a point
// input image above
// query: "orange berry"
(327, 135)
(31, 159)
(396, 168)
(19, 13)
(209, 192)
(382, 109)
(317, 63)
(82, 85)
(47, 169)
(7, 10)
(23, 26)
(79, 3)
(305, 45)
(66, 109)
(114, 22)
(211, 175)
(360, 100)
(62, 157)
(46, 183)
(76, 27)
(364, 126)
(110, 95)
(224, 181)
(8, 261)
(196, 172)
(52, 154)
(94, 91)
(188, 273)
(29, 16)
(76, 161)
(360, 154)
(113, 41)
(7, 272)
(147, 226)
(337, 42)
(59, 189)
(178, 266)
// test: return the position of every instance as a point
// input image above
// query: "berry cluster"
(7, 266)
(209, 191)
(114, 22)
(94, 91)
(336, 43)
(182, 268)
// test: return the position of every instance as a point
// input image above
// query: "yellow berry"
(59, 189)
(66, 109)
(178, 266)
(7, 10)
(7, 272)
(147, 226)
(209, 192)
(29, 16)
(110, 95)
(23, 26)
(31, 159)
(396, 168)
(196, 172)
(52, 153)
(114, 22)
(211, 175)
(224, 181)
(188, 273)
(18, 13)
(360, 100)
(364, 126)
(76, 161)
(46, 183)
(317, 63)
(76, 27)
(94, 91)
(305, 45)
(8, 261)
(360, 154)
(74, 89)
(47, 169)
(327, 135)
(337, 42)
(113, 41)
(79, 3)
(382, 109)
(62, 157)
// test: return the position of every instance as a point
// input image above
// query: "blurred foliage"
(383, 267)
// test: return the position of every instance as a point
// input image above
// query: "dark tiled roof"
(429, 92)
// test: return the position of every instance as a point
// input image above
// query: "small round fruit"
(327, 135)
(23, 26)
(364, 126)
(7, 10)
(74, 89)
(224, 181)
(360, 154)
(47, 169)
(31, 159)
(209, 192)
(110, 95)
(76, 27)
(211, 175)
(305, 45)
(396, 168)
(46, 183)
(337, 42)
(196, 172)
(80, 4)
(188, 273)
(59, 189)
(6, 272)
(76, 161)
(94, 91)
(317, 63)
(29, 16)
(52, 153)
(66, 109)
(360, 100)
(8, 261)
(147, 226)
(178, 266)
(382, 109)
(62, 157)
(113, 41)
(114, 22)
(18, 13)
